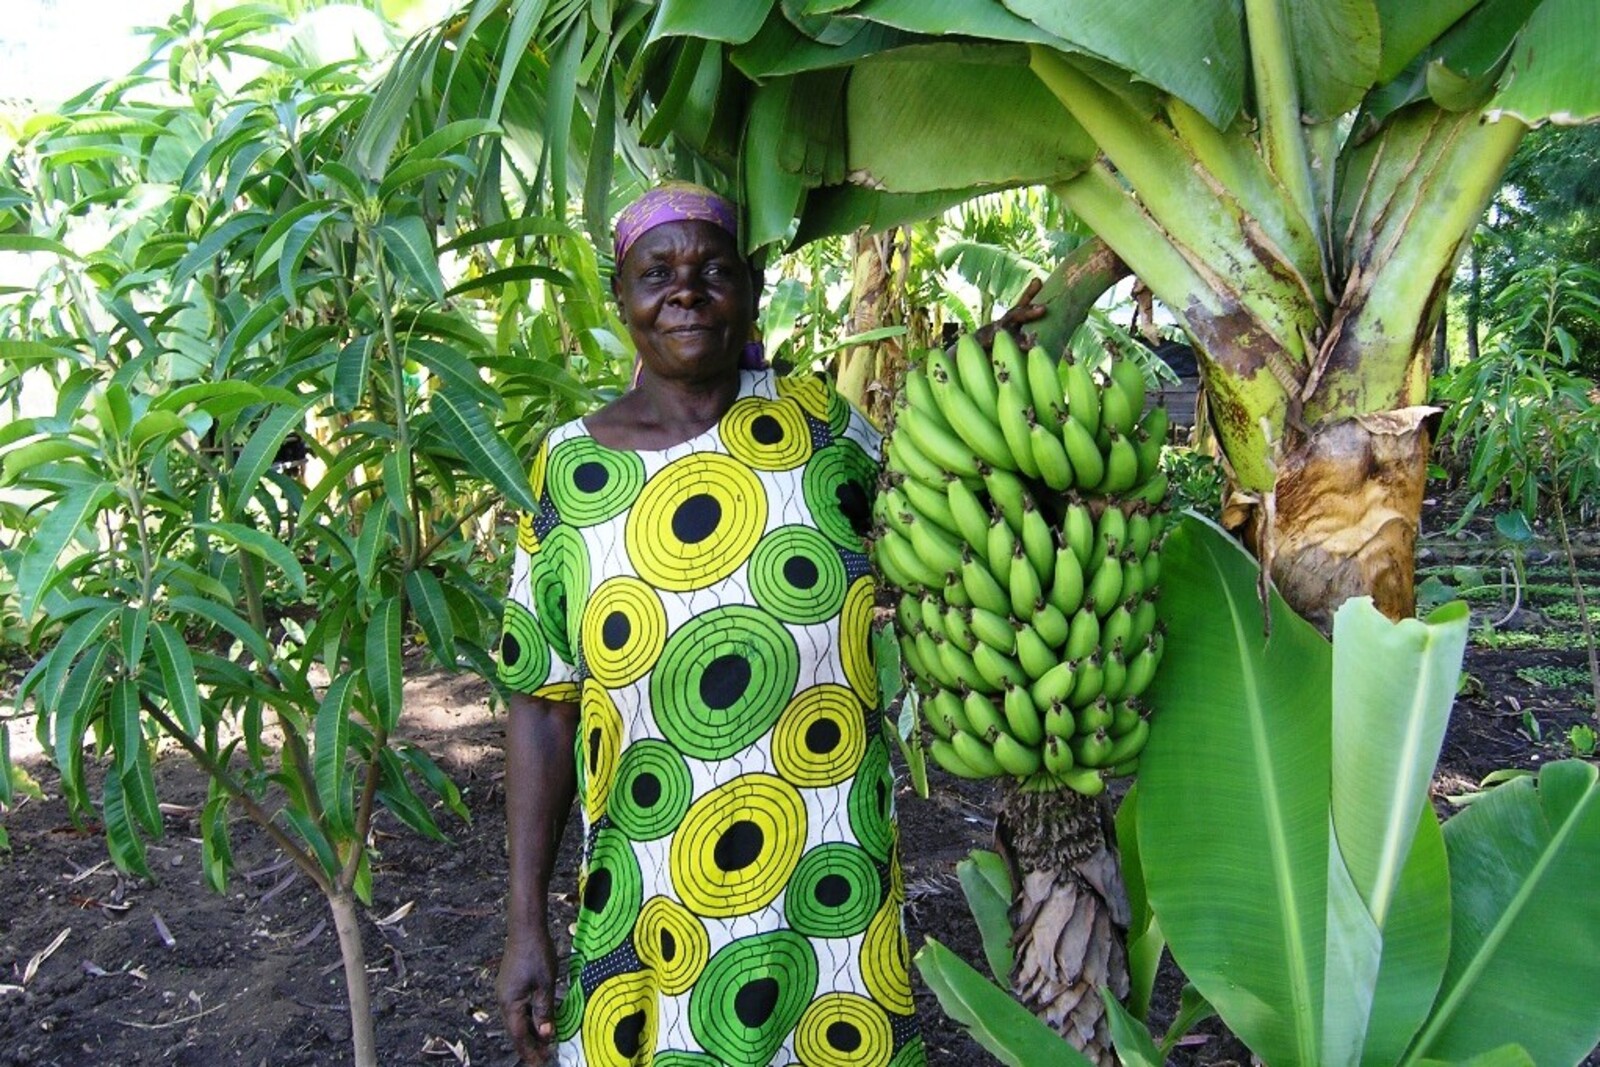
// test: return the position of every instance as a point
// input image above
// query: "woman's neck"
(661, 412)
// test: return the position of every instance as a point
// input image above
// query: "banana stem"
(1277, 96)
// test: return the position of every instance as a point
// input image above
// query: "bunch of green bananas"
(1020, 516)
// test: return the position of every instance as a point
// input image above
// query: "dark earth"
(167, 972)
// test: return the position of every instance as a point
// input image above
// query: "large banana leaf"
(1525, 951)
(1288, 849)
(1551, 74)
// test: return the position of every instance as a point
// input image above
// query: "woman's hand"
(1015, 318)
(526, 991)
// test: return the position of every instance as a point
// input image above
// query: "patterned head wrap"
(677, 201)
(672, 202)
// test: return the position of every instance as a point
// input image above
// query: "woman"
(688, 632)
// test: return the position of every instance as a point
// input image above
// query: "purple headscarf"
(677, 201)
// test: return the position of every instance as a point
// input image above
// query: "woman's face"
(686, 295)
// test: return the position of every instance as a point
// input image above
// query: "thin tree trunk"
(1474, 301)
(873, 303)
(1582, 602)
(1070, 913)
(362, 1036)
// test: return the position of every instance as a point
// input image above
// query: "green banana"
(1117, 627)
(1077, 531)
(1013, 419)
(938, 550)
(1132, 578)
(1116, 409)
(933, 715)
(1050, 457)
(1149, 449)
(1139, 533)
(1000, 546)
(1110, 532)
(1044, 385)
(1088, 465)
(1085, 781)
(1123, 769)
(901, 565)
(1086, 690)
(1105, 585)
(1095, 715)
(1150, 570)
(1010, 495)
(977, 374)
(948, 704)
(1019, 760)
(1142, 668)
(939, 443)
(982, 587)
(908, 613)
(1055, 685)
(971, 517)
(913, 658)
(1083, 396)
(993, 630)
(1144, 621)
(1128, 379)
(932, 504)
(959, 665)
(1083, 633)
(1152, 492)
(1092, 750)
(954, 593)
(994, 669)
(1129, 745)
(971, 423)
(983, 714)
(1122, 466)
(928, 651)
(1116, 673)
(918, 392)
(945, 755)
(977, 755)
(1037, 541)
(1060, 722)
(895, 511)
(1009, 357)
(1124, 716)
(1022, 715)
(905, 458)
(1033, 654)
(1066, 582)
(957, 630)
(1050, 621)
(1057, 756)
(1023, 583)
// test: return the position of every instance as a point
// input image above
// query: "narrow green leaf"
(1135, 1047)
(350, 376)
(1010, 1032)
(139, 790)
(509, 275)
(127, 850)
(127, 725)
(27, 242)
(208, 250)
(525, 16)
(216, 856)
(262, 545)
(262, 448)
(448, 136)
(486, 453)
(423, 764)
(1550, 76)
(528, 226)
(331, 756)
(254, 642)
(312, 835)
(296, 242)
(460, 374)
(264, 317)
(370, 541)
(426, 598)
(159, 427)
(73, 643)
(397, 795)
(66, 519)
(731, 21)
(177, 676)
(987, 886)
(410, 245)
(383, 660)
(35, 454)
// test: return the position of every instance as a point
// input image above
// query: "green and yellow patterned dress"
(708, 607)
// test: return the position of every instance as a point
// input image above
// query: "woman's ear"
(616, 295)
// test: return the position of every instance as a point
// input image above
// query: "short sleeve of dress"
(536, 647)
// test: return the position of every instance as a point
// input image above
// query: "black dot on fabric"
(844, 1036)
(591, 477)
(510, 650)
(800, 572)
(595, 739)
(738, 847)
(753, 1004)
(597, 890)
(822, 736)
(853, 503)
(628, 1034)
(833, 891)
(724, 681)
(616, 630)
(766, 430)
(669, 946)
(646, 790)
(696, 518)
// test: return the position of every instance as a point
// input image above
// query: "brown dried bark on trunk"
(1069, 914)
(1343, 518)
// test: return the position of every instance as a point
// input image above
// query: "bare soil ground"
(164, 971)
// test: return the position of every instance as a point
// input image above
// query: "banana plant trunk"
(867, 374)
(1069, 915)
